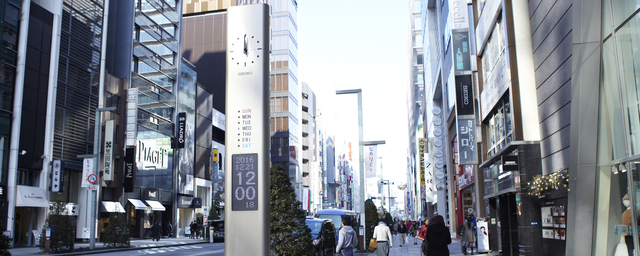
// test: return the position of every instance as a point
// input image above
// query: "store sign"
(461, 51)
(185, 201)
(464, 95)
(467, 150)
(150, 154)
(487, 20)
(421, 147)
(197, 202)
(509, 163)
(151, 194)
(57, 177)
(3, 192)
(496, 83)
(182, 122)
(459, 14)
(129, 169)
(132, 117)
(108, 150)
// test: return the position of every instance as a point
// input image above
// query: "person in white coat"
(382, 234)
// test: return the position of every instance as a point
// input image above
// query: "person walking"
(423, 235)
(413, 231)
(200, 230)
(383, 236)
(438, 237)
(347, 238)
(402, 230)
(169, 229)
(194, 229)
(395, 228)
(468, 239)
(155, 232)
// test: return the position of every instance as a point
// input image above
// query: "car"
(335, 215)
(323, 234)
(218, 230)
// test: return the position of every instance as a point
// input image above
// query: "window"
(499, 128)
(11, 15)
(419, 59)
(10, 39)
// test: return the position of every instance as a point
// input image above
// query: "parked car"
(335, 215)
(323, 234)
(218, 230)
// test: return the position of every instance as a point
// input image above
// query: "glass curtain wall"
(618, 184)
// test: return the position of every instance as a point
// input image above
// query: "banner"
(421, 147)
(370, 161)
(464, 95)
(108, 150)
(483, 236)
(467, 141)
(87, 169)
(305, 198)
(182, 122)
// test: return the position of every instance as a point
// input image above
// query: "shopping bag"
(373, 243)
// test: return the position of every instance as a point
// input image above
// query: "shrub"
(116, 233)
(61, 239)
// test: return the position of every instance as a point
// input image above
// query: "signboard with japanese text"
(461, 51)
(108, 150)
(467, 144)
(87, 169)
(421, 147)
(57, 177)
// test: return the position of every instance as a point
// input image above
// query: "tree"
(62, 234)
(116, 232)
(213, 212)
(371, 219)
(388, 219)
(5, 245)
(289, 232)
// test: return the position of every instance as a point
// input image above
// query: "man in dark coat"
(155, 232)
(438, 237)
(194, 229)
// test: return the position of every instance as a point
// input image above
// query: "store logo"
(153, 194)
(186, 201)
(32, 196)
(151, 155)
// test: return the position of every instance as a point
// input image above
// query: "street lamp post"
(388, 183)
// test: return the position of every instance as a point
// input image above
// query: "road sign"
(92, 178)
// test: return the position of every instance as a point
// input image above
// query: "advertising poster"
(483, 236)
(87, 169)
(547, 219)
(547, 233)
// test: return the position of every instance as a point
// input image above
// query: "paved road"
(191, 250)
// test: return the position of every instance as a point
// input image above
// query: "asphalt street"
(191, 250)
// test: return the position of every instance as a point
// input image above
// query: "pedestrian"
(169, 230)
(155, 232)
(194, 229)
(383, 236)
(395, 227)
(200, 230)
(468, 239)
(438, 237)
(347, 238)
(413, 230)
(423, 235)
(402, 230)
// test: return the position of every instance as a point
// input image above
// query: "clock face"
(245, 51)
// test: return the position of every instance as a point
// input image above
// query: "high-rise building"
(414, 107)
(310, 165)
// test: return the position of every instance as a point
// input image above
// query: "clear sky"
(357, 44)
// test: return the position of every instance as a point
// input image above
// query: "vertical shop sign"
(129, 169)
(464, 95)
(108, 150)
(462, 57)
(467, 141)
(132, 117)
(57, 179)
(421, 146)
(182, 122)
(370, 161)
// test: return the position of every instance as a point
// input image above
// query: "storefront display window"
(499, 130)
(618, 183)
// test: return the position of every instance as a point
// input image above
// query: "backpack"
(460, 230)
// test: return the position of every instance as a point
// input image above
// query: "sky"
(359, 44)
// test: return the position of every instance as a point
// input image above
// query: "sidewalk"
(409, 249)
(136, 244)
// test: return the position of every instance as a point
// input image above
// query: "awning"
(156, 206)
(108, 206)
(31, 197)
(138, 204)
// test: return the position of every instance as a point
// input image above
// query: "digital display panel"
(244, 186)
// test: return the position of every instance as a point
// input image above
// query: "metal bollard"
(47, 240)
(211, 232)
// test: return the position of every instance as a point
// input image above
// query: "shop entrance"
(26, 226)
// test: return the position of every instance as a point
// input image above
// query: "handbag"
(423, 233)
(373, 243)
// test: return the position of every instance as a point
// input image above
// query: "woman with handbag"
(423, 235)
(383, 238)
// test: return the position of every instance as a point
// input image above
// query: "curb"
(123, 249)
